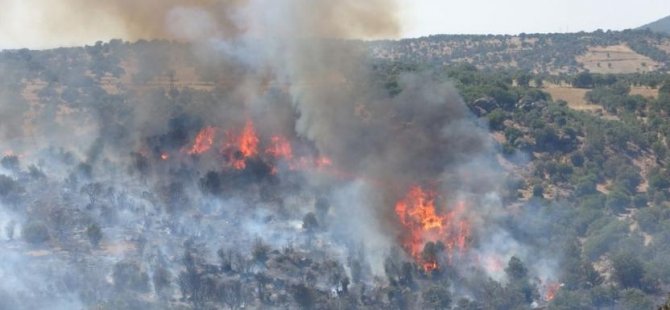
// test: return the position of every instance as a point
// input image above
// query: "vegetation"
(598, 181)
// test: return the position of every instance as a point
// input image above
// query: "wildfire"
(493, 263)
(203, 141)
(550, 290)
(244, 146)
(237, 146)
(280, 147)
(323, 161)
(417, 213)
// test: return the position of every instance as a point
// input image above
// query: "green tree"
(496, 119)
(617, 200)
(635, 299)
(583, 80)
(628, 270)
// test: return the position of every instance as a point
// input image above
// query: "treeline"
(602, 178)
(544, 53)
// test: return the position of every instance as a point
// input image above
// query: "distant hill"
(629, 51)
(662, 25)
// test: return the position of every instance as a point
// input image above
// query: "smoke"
(44, 23)
(291, 73)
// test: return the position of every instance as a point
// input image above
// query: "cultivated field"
(573, 96)
(616, 59)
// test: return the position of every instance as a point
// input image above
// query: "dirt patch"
(616, 59)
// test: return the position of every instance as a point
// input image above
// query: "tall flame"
(417, 213)
(203, 141)
(243, 146)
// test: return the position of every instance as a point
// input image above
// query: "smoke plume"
(299, 129)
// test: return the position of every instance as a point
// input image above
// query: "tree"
(304, 296)
(230, 292)
(523, 79)
(260, 251)
(628, 270)
(516, 270)
(635, 299)
(129, 275)
(583, 80)
(9, 229)
(496, 119)
(161, 279)
(94, 234)
(436, 297)
(538, 191)
(629, 178)
(35, 233)
(617, 200)
(309, 222)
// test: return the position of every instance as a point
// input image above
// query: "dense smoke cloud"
(43, 23)
(289, 74)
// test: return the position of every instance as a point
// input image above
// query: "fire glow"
(550, 290)
(422, 223)
(203, 141)
(241, 147)
(280, 147)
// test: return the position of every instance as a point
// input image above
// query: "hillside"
(661, 26)
(605, 52)
(156, 180)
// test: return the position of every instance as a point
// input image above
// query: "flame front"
(240, 148)
(418, 215)
(203, 141)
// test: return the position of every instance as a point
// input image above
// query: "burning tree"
(427, 233)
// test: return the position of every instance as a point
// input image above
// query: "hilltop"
(629, 51)
(662, 25)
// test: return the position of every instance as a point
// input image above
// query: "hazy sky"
(22, 22)
(423, 17)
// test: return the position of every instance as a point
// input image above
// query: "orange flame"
(550, 290)
(280, 147)
(203, 141)
(244, 146)
(417, 213)
(323, 161)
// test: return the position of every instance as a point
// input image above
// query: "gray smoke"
(285, 65)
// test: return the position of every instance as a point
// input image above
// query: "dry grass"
(616, 59)
(644, 91)
(664, 45)
(573, 96)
